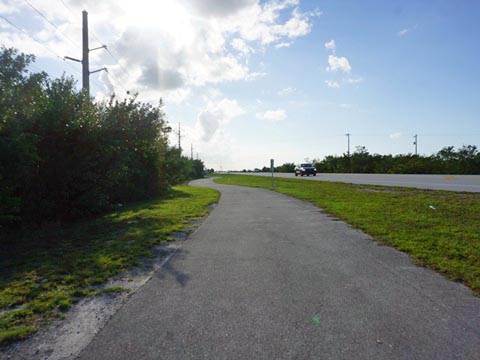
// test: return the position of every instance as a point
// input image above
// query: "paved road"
(469, 183)
(267, 276)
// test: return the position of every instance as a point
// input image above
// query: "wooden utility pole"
(415, 142)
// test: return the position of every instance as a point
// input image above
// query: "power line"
(58, 29)
(110, 75)
(115, 83)
(118, 62)
(50, 22)
(38, 42)
(127, 74)
(35, 68)
(68, 7)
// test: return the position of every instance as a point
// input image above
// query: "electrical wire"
(93, 33)
(99, 87)
(38, 42)
(51, 23)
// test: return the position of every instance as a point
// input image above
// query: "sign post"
(272, 167)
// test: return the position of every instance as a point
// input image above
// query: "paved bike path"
(267, 276)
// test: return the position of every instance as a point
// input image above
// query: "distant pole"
(85, 61)
(415, 142)
(348, 141)
(179, 139)
(272, 168)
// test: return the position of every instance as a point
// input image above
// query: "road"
(268, 276)
(469, 183)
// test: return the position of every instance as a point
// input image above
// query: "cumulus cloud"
(168, 46)
(215, 115)
(332, 84)
(272, 115)
(242, 47)
(330, 45)
(220, 7)
(336, 63)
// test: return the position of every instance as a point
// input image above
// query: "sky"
(248, 81)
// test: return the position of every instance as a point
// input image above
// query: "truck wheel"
(301, 174)
(296, 174)
(314, 174)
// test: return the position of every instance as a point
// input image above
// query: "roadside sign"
(272, 168)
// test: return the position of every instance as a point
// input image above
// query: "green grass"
(446, 239)
(42, 273)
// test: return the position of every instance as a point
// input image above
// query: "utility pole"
(348, 148)
(85, 52)
(415, 142)
(179, 138)
(85, 60)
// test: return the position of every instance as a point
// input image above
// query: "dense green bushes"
(63, 157)
(465, 160)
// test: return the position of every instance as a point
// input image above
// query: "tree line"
(464, 160)
(65, 157)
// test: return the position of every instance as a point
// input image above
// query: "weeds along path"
(269, 276)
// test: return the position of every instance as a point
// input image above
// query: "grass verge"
(42, 273)
(445, 238)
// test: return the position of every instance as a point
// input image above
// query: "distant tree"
(465, 160)
(286, 168)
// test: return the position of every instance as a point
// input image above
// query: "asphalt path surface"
(268, 276)
(469, 183)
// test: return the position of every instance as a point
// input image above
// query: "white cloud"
(287, 91)
(211, 119)
(255, 75)
(167, 46)
(336, 63)
(283, 45)
(354, 80)
(332, 84)
(330, 45)
(242, 47)
(7, 7)
(397, 135)
(406, 31)
(272, 115)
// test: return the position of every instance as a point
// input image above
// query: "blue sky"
(284, 79)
